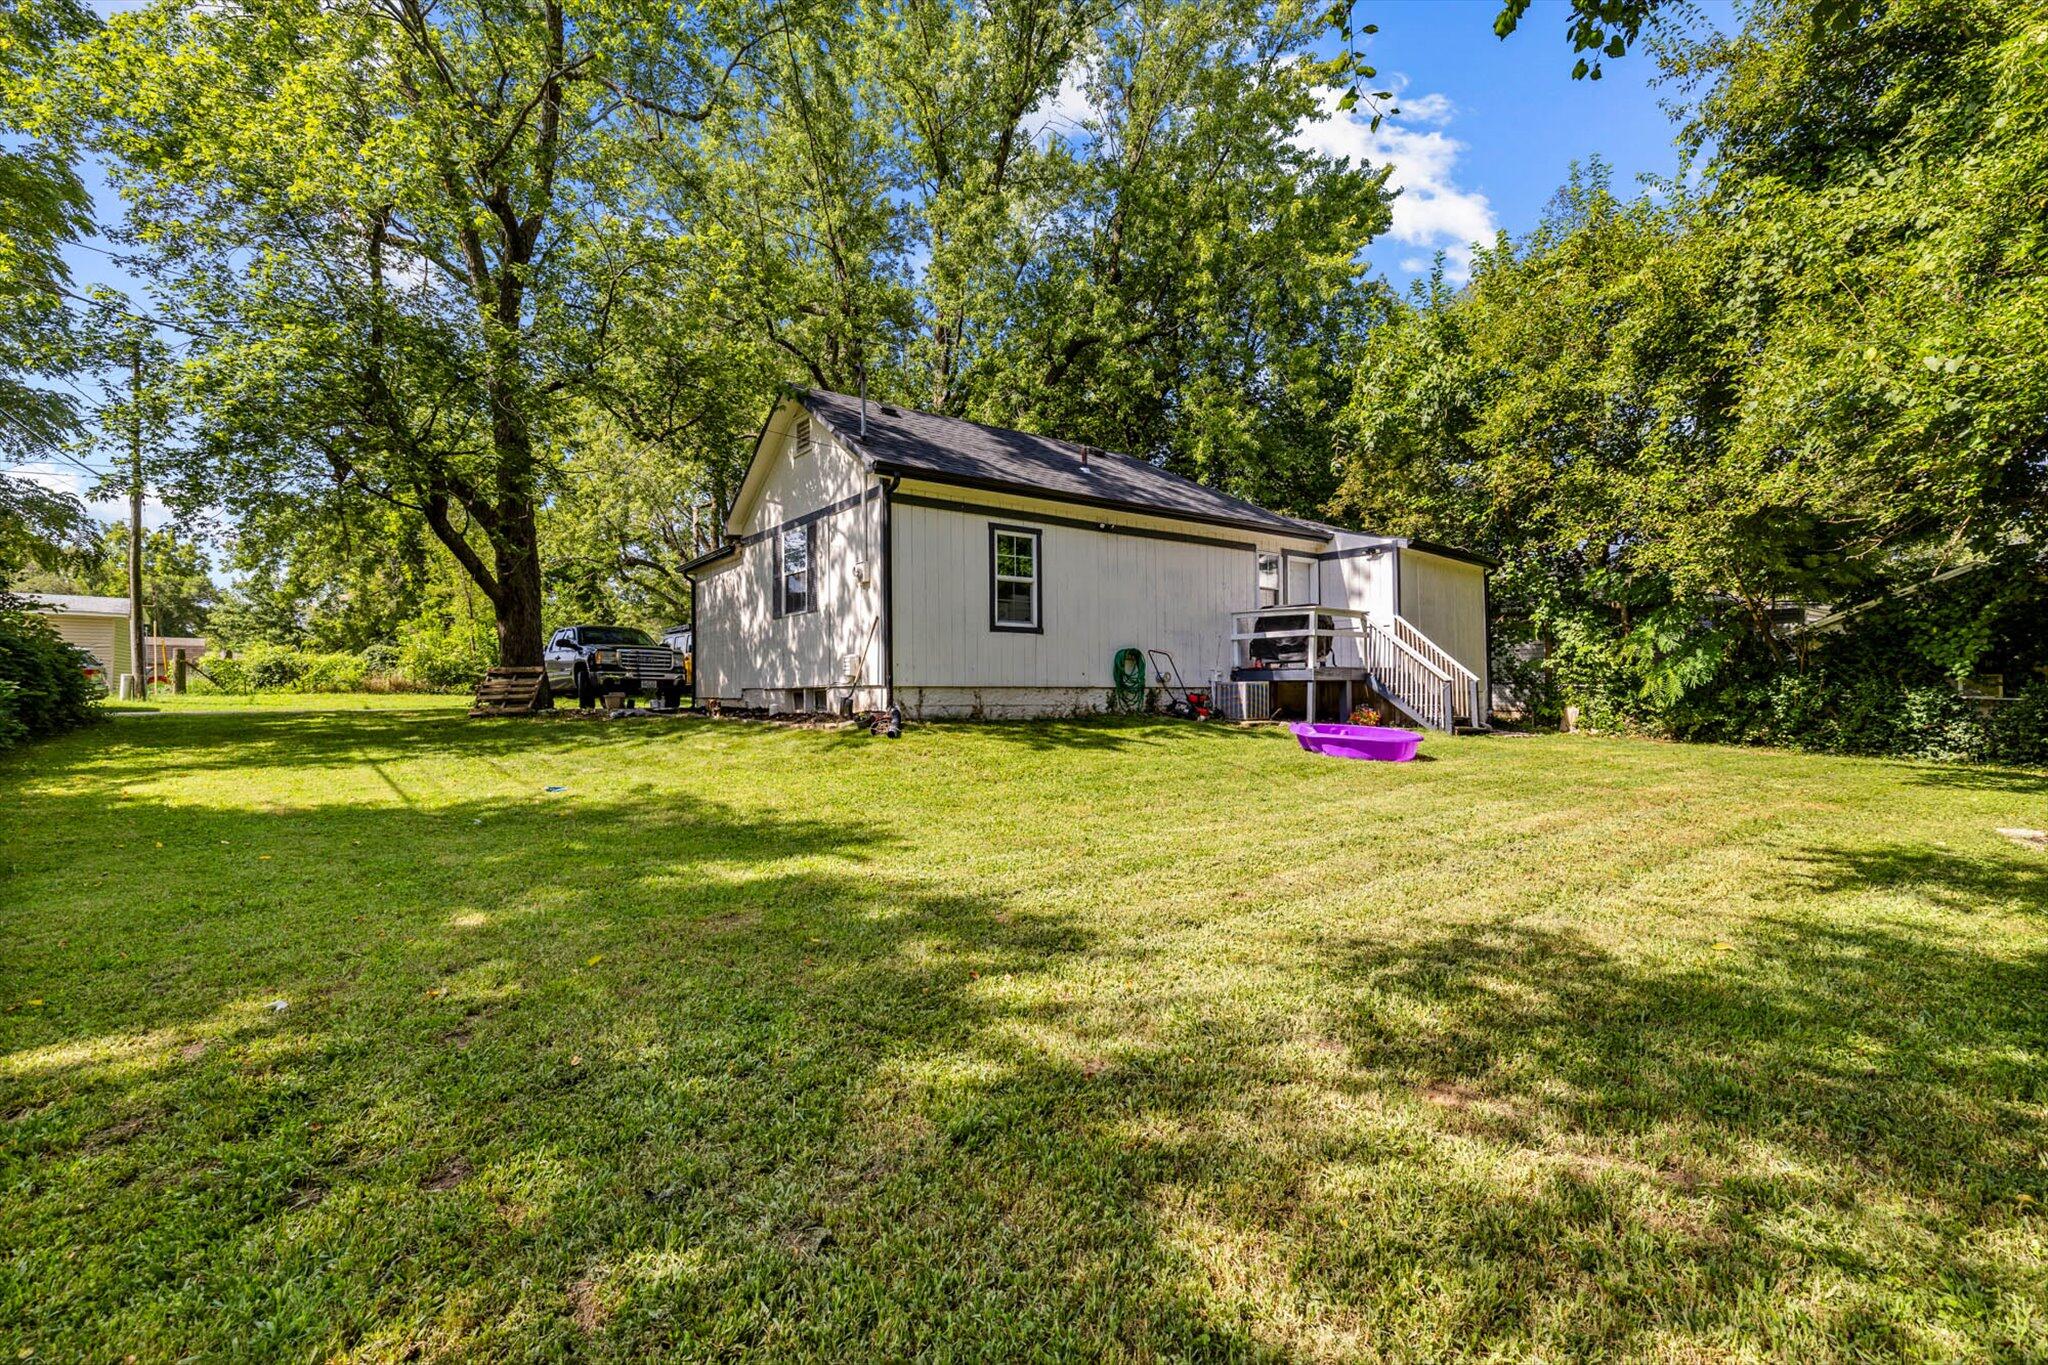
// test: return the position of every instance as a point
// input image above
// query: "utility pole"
(138, 662)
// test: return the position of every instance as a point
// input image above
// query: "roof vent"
(1086, 451)
(890, 409)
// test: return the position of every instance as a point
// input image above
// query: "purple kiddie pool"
(1381, 742)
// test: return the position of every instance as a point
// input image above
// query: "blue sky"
(1489, 127)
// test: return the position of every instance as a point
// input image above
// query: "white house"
(97, 625)
(879, 555)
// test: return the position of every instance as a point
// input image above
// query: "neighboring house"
(879, 555)
(163, 651)
(98, 625)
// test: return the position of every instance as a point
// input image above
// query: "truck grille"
(647, 664)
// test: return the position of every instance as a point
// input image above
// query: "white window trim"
(1036, 625)
(810, 572)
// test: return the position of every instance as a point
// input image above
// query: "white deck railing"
(1412, 669)
(1409, 678)
(1465, 683)
(1345, 624)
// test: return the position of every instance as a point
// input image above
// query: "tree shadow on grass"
(605, 1078)
(522, 1043)
(202, 741)
(1972, 883)
(1509, 1140)
(2018, 781)
(1102, 733)
(1834, 1108)
(1821, 1039)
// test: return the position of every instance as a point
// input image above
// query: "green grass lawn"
(1148, 1040)
(163, 701)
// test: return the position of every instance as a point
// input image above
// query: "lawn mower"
(1182, 701)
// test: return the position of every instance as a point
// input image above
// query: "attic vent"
(891, 410)
(1086, 453)
(801, 439)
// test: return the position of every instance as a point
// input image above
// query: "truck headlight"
(606, 656)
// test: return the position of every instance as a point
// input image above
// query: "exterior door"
(1301, 579)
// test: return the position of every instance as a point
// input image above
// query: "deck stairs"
(1420, 678)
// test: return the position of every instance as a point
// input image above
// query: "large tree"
(377, 220)
(43, 207)
(1076, 218)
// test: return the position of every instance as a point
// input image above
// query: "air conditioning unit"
(1241, 700)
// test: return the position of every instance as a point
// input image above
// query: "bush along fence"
(379, 668)
(1891, 682)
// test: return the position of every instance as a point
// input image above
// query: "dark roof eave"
(710, 557)
(1277, 526)
(1431, 547)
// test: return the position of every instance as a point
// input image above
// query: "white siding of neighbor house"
(1100, 592)
(1446, 600)
(745, 653)
(105, 637)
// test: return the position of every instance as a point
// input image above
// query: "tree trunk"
(517, 605)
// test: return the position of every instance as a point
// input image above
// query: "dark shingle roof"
(951, 450)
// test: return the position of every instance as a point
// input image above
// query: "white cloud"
(1432, 211)
(1422, 108)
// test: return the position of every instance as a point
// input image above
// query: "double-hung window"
(793, 589)
(1016, 596)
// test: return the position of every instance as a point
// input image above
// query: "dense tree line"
(1811, 378)
(525, 275)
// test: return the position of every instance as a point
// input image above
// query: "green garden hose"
(1129, 696)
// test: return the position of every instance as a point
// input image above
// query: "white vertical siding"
(104, 637)
(786, 485)
(1446, 599)
(1100, 591)
(1360, 582)
(1108, 580)
(742, 646)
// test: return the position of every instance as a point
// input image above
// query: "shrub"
(423, 663)
(43, 688)
(443, 655)
(279, 668)
(2017, 732)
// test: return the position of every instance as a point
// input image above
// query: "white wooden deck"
(1345, 647)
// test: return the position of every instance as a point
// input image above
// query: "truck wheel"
(586, 691)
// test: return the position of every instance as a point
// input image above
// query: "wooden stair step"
(510, 692)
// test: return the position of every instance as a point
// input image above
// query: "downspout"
(1486, 683)
(691, 579)
(888, 484)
